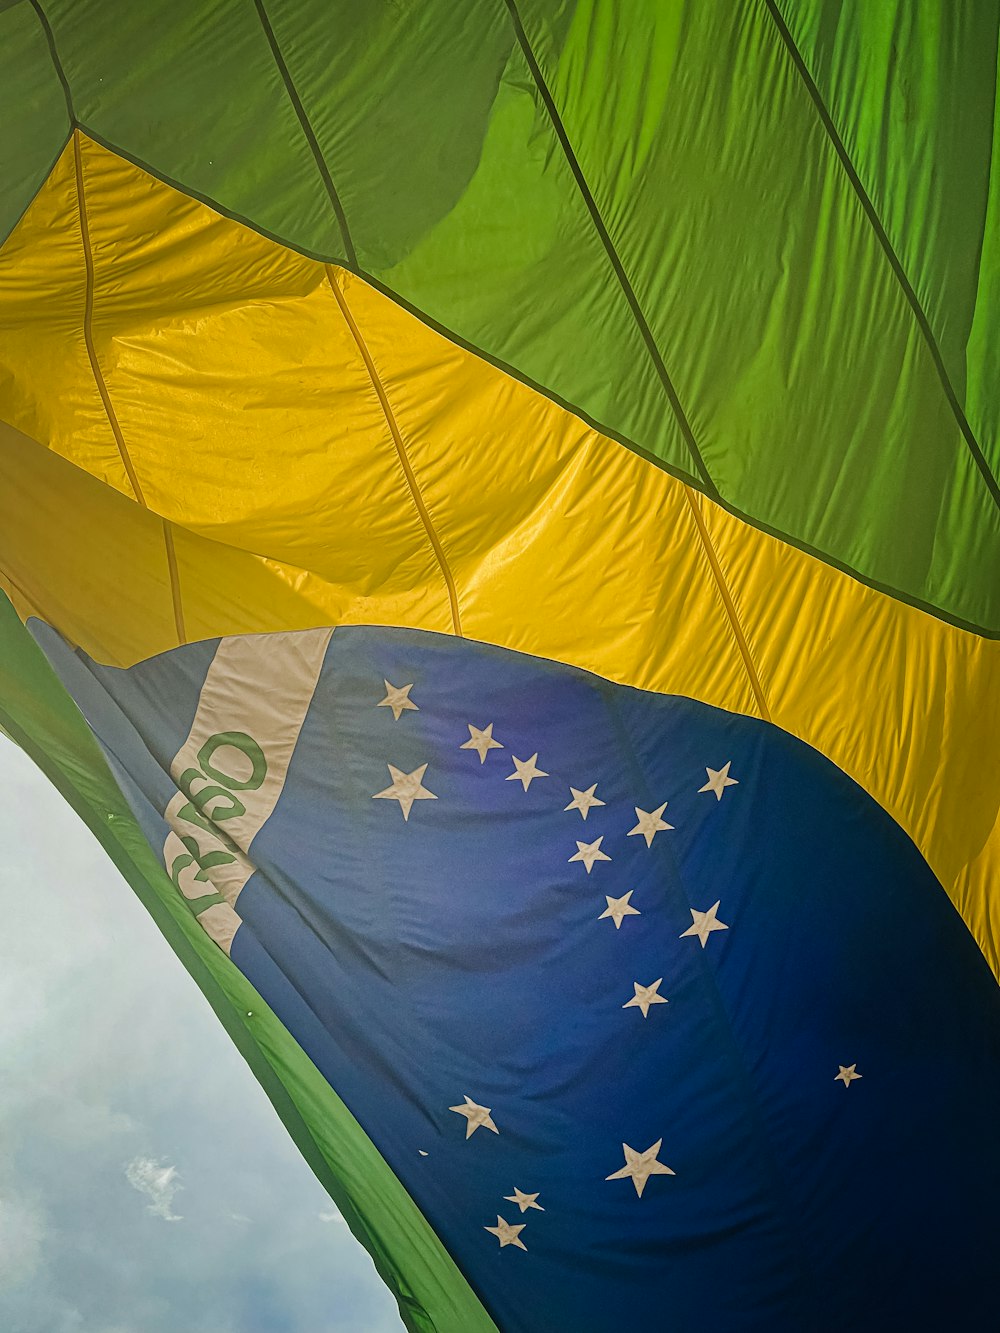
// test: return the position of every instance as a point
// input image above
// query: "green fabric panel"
(457, 199)
(641, 209)
(983, 351)
(433, 1296)
(813, 393)
(191, 87)
(33, 110)
(922, 149)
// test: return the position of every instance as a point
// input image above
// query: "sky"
(146, 1184)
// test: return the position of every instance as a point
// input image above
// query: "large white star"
(398, 699)
(645, 996)
(650, 823)
(524, 1201)
(406, 788)
(619, 908)
(703, 923)
(506, 1234)
(583, 800)
(525, 771)
(589, 852)
(847, 1075)
(481, 741)
(475, 1116)
(719, 780)
(639, 1166)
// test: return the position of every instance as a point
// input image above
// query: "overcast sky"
(146, 1185)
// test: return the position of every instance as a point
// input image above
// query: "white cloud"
(159, 1182)
(332, 1214)
(22, 1234)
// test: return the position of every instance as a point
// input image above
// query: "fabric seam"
(309, 133)
(400, 447)
(608, 245)
(739, 635)
(102, 388)
(895, 264)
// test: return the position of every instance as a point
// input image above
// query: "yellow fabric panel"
(323, 457)
(73, 549)
(43, 285)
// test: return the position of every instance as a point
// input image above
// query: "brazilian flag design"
(500, 541)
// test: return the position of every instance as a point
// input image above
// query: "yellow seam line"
(734, 620)
(175, 580)
(102, 388)
(397, 440)
(88, 315)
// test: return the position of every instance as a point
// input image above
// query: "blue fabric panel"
(461, 953)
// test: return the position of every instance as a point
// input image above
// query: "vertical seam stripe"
(102, 388)
(742, 643)
(175, 580)
(614, 259)
(310, 134)
(400, 446)
(895, 264)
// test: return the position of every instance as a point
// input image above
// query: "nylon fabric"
(782, 349)
(925, 151)
(431, 949)
(41, 717)
(252, 422)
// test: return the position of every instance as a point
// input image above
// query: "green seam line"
(56, 62)
(308, 131)
(826, 119)
(707, 484)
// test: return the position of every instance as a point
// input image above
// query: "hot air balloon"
(500, 541)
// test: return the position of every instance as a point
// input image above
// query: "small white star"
(619, 908)
(524, 1201)
(703, 924)
(525, 771)
(639, 1166)
(650, 823)
(397, 699)
(847, 1075)
(475, 1116)
(583, 800)
(481, 741)
(406, 788)
(506, 1234)
(589, 852)
(719, 780)
(645, 996)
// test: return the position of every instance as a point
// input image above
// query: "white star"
(506, 1234)
(847, 1075)
(639, 1166)
(650, 823)
(475, 1116)
(397, 699)
(589, 852)
(645, 996)
(618, 908)
(525, 771)
(583, 800)
(481, 741)
(406, 788)
(704, 924)
(719, 780)
(524, 1201)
